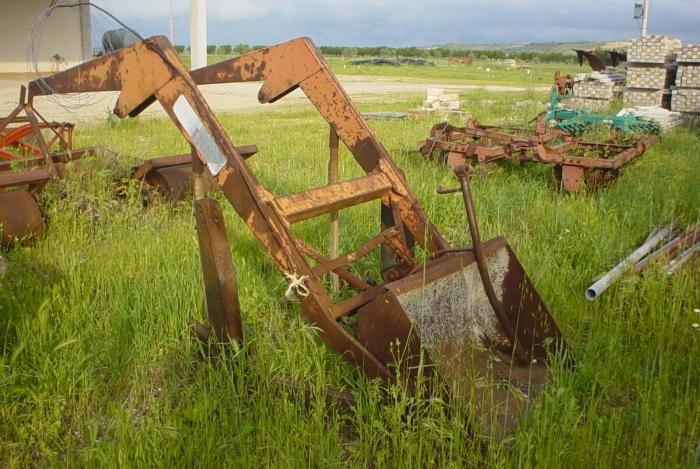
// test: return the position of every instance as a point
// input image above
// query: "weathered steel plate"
(20, 218)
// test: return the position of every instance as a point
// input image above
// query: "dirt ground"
(229, 97)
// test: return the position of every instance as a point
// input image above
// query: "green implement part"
(577, 121)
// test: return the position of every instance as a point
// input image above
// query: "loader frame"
(151, 71)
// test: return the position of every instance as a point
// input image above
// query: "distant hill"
(562, 47)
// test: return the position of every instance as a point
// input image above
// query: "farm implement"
(458, 60)
(483, 143)
(574, 161)
(34, 151)
(470, 318)
(40, 152)
(170, 176)
(24, 129)
(578, 121)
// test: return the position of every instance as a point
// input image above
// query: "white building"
(65, 38)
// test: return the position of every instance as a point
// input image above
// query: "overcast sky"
(412, 22)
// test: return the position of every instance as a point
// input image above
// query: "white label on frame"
(203, 141)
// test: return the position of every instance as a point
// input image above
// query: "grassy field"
(97, 365)
(481, 72)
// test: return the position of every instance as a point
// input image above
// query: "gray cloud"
(413, 22)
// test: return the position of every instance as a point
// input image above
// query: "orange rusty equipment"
(466, 61)
(424, 317)
(170, 176)
(21, 181)
(564, 84)
(28, 168)
(483, 143)
(574, 161)
(24, 132)
(591, 57)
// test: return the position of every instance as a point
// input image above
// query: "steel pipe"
(606, 280)
(684, 257)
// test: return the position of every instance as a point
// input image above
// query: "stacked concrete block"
(652, 78)
(595, 91)
(688, 76)
(651, 70)
(658, 98)
(647, 97)
(653, 49)
(589, 104)
(689, 54)
(686, 93)
(686, 100)
(439, 100)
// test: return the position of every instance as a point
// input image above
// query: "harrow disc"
(20, 218)
(175, 182)
(172, 182)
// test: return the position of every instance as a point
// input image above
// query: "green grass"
(480, 73)
(211, 59)
(97, 365)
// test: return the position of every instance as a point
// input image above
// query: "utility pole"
(170, 22)
(645, 16)
(198, 34)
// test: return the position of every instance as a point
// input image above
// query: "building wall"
(65, 38)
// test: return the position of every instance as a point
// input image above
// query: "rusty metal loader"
(32, 152)
(470, 318)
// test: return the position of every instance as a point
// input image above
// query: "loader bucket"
(20, 218)
(444, 308)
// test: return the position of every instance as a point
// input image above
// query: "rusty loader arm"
(438, 307)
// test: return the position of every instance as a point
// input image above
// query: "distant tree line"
(444, 52)
(223, 49)
(436, 52)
